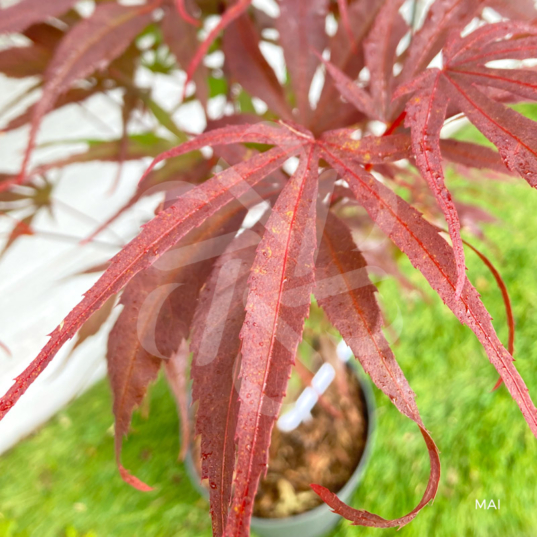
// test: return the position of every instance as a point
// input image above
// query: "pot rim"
(346, 490)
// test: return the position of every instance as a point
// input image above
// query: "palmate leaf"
(457, 82)
(433, 257)
(443, 17)
(283, 267)
(430, 254)
(425, 113)
(279, 288)
(344, 291)
(192, 250)
(164, 231)
(91, 44)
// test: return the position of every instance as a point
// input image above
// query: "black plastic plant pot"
(319, 521)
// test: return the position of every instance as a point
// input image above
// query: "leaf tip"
(319, 490)
(6, 349)
(499, 382)
(133, 481)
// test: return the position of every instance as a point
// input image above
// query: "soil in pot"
(325, 450)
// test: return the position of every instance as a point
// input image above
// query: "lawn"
(63, 480)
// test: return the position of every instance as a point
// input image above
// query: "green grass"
(63, 482)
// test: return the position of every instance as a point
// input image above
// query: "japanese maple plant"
(366, 133)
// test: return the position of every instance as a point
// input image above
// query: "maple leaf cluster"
(183, 280)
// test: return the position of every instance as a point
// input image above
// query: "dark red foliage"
(200, 277)
(92, 44)
(247, 66)
(280, 284)
(215, 365)
(27, 12)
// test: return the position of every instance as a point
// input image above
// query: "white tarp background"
(37, 289)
